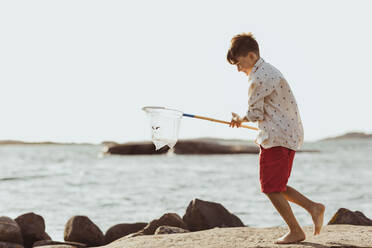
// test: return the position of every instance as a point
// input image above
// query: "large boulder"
(10, 231)
(82, 230)
(32, 228)
(135, 148)
(202, 215)
(169, 230)
(10, 245)
(201, 146)
(345, 216)
(121, 230)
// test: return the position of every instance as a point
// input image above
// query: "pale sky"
(80, 71)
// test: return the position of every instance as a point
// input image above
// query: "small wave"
(9, 178)
(28, 177)
(113, 204)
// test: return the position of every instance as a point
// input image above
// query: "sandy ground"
(239, 237)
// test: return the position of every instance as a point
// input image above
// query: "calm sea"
(59, 181)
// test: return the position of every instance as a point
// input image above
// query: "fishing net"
(165, 124)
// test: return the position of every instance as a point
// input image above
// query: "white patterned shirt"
(272, 104)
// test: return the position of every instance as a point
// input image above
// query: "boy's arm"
(261, 87)
(257, 93)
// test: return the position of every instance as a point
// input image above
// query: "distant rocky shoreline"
(28, 230)
(198, 146)
(351, 135)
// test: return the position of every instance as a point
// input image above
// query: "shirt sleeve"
(259, 89)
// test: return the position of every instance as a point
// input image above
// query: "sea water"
(60, 181)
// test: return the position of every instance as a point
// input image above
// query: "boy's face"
(246, 63)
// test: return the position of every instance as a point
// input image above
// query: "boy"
(272, 104)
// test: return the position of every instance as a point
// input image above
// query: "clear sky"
(80, 71)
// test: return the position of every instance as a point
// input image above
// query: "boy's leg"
(316, 210)
(295, 234)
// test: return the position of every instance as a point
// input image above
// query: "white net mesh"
(165, 124)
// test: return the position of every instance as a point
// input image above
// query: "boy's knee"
(271, 193)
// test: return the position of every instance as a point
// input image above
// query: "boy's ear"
(252, 55)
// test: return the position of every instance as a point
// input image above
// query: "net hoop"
(157, 109)
(164, 125)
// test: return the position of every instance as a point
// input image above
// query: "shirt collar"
(256, 66)
(259, 62)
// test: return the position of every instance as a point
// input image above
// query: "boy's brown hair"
(241, 44)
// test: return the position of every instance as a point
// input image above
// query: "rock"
(82, 230)
(121, 230)
(200, 146)
(169, 230)
(135, 148)
(169, 219)
(10, 231)
(52, 243)
(345, 216)
(202, 215)
(45, 236)
(32, 228)
(10, 245)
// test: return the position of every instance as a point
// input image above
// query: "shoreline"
(335, 236)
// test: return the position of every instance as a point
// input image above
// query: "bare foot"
(318, 214)
(292, 237)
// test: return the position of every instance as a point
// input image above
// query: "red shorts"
(275, 168)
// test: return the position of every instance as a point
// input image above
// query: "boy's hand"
(236, 120)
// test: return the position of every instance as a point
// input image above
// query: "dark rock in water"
(202, 215)
(211, 147)
(169, 219)
(169, 230)
(135, 148)
(191, 146)
(10, 232)
(82, 230)
(120, 230)
(345, 216)
(52, 243)
(32, 228)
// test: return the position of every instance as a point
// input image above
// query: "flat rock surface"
(334, 236)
